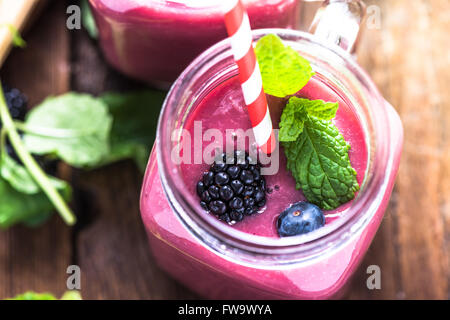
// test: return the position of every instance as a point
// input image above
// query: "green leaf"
(318, 108)
(295, 112)
(134, 127)
(320, 164)
(292, 120)
(74, 127)
(17, 40)
(88, 19)
(30, 295)
(30, 209)
(19, 177)
(284, 72)
(71, 295)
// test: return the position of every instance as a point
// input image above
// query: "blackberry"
(232, 187)
(16, 102)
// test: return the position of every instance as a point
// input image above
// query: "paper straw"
(238, 27)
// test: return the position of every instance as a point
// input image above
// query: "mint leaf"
(284, 72)
(19, 177)
(134, 126)
(29, 209)
(295, 112)
(319, 162)
(317, 108)
(88, 20)
(74, 127)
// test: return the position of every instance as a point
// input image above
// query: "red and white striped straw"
(238, 27)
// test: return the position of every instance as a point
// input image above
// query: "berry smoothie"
(214, 276)
(154, 40)
(224, 108)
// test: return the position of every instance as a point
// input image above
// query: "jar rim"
(220, 237)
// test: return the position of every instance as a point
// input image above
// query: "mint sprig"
(316, 152)
(82, 130)
(284, 72)
(30, 164)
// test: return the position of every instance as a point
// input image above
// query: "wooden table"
(408, 58)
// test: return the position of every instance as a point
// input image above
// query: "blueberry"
(262, 203)
(301, 217)
(200, 188)
(208, 178)
(246, 177)
(221, 178)
(237, 186)
(214, 192)
(233, 171)
(217, 207)
(236, 203)
(226, 193)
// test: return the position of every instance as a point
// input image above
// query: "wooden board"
(408, 60)
(37, 259)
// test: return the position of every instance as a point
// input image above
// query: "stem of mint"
(34, 169)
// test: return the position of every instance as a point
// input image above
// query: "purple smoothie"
(154, 40)
(213, 276)
(224, 108)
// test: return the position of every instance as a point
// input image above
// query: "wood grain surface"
(407, 57)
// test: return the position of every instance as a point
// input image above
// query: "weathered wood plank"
(408, 60)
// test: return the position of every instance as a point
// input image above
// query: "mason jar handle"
(339, 22)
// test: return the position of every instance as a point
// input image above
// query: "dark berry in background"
(232, 187)
(16, 101)
(17, 106)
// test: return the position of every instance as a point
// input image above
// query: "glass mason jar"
(154, 40)
(218, 261)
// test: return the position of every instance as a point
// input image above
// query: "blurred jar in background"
(154, 40)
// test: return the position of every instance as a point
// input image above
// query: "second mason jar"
(154, 40)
